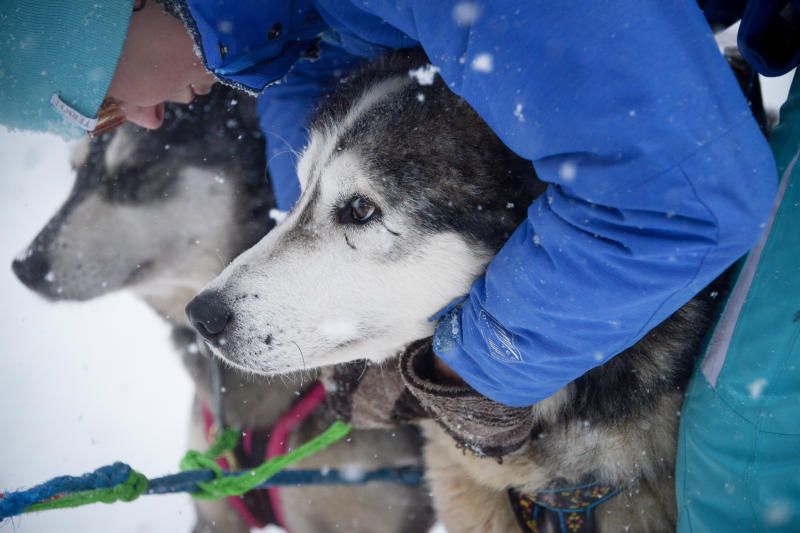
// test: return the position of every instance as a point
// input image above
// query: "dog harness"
(567, 510)
(261, 507)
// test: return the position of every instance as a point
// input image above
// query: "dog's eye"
(362, 210)
(358, 211)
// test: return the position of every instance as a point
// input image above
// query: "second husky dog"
(160, 213)
(407, 195)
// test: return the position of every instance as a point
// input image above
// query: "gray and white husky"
(161, 213)
(407, 195)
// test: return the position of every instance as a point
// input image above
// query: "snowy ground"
(82, 385)
(86, 384)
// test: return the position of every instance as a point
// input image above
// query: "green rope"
(249, 479)
(222, 486)
(194, 460)
(133, 487)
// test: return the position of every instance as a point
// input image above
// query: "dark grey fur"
(215, 132)
(438, 158)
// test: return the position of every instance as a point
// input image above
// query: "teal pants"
(738, 465)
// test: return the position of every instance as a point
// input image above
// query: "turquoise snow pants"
(738, 464)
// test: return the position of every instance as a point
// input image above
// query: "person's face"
(157, 65)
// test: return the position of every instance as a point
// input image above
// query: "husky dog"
(407, 195)
(161, 213)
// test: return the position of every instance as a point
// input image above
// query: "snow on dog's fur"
(407, 195)
(162, 212)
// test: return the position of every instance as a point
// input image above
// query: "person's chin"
(201, 90)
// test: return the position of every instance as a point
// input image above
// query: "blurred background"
(81, 384)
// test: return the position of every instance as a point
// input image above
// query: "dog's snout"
(208, 314)
(31, 270)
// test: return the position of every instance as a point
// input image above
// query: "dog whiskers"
(218, 256)
(363, 371)
(301, 357)
(289, 148)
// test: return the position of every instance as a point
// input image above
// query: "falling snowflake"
(518, 113)
(756, 388)
(778, 513)
(424, 74)
(466, 13)
(483, 63)
(568, 171)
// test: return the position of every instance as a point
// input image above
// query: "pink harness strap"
(279, 436)
(276, 445)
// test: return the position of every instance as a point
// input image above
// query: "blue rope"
(187, 481)
(15, 503)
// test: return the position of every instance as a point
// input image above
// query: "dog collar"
(570, 507)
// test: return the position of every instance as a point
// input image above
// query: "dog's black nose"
(208, 314)
(32, 270)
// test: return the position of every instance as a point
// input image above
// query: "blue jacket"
(659, 177)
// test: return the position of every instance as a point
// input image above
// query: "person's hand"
(444, 374)
(475, 422)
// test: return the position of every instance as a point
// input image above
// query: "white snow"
(483, 63)
(83, 384)
(779, 513)
(755, 388)
(277, 215)
(568, 171)
(351, 472)
(424, 74)
(774, 90)
(518, 113)
(225, 26)
(466, 13)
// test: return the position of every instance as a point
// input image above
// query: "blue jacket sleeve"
(659, 177)
(284, 110)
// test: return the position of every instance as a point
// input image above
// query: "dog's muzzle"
(209, 314)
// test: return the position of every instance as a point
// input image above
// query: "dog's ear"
(306, 162)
